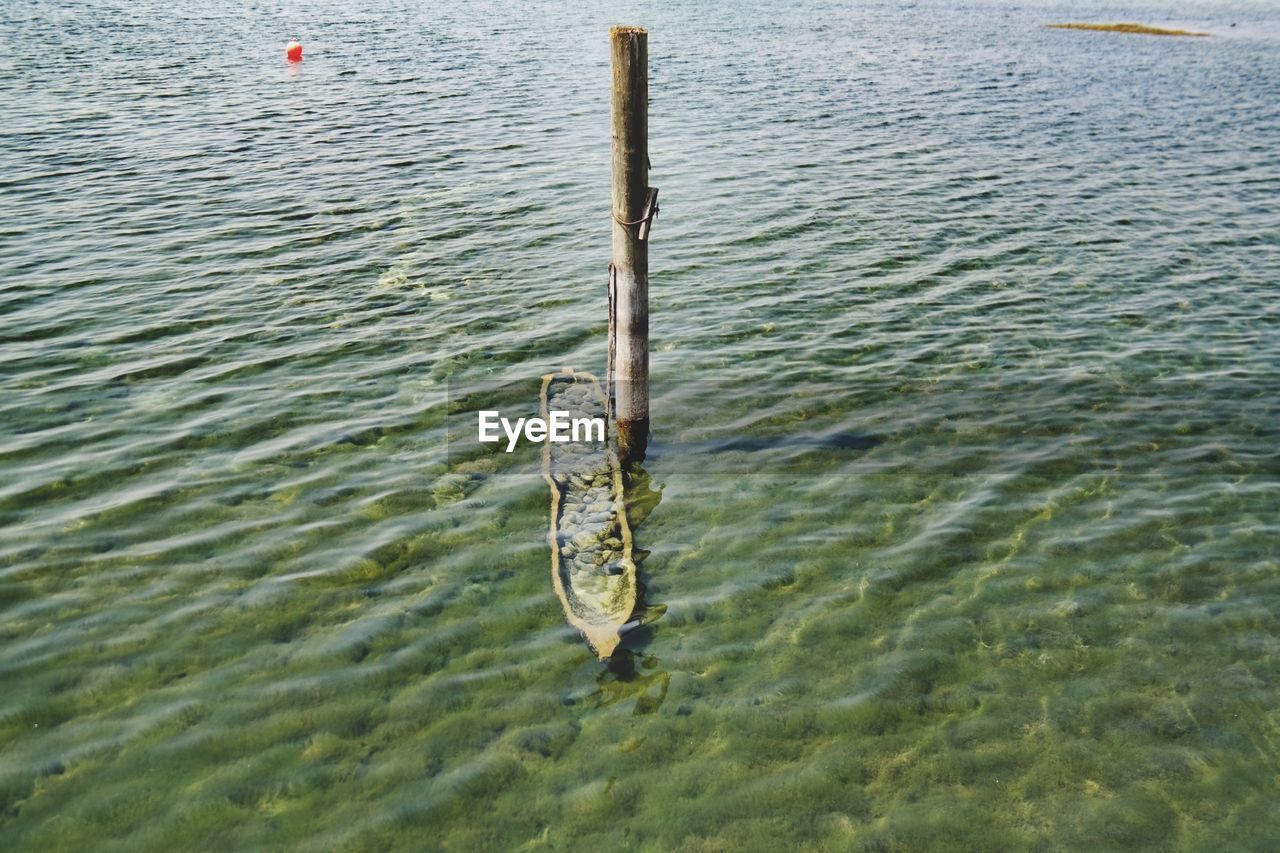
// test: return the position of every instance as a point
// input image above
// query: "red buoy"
(293, 51)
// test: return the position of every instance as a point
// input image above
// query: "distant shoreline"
(1139, 29)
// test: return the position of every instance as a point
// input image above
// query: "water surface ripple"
(965, 364)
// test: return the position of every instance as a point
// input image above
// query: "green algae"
(1012, 623)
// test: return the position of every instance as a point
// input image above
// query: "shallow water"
(964, 497)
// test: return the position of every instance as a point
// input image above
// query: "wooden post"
(633, 206)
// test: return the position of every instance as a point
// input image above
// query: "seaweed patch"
(1135, 29)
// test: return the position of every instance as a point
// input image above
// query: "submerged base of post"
(633, 440)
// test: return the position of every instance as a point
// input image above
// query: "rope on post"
(645, 222)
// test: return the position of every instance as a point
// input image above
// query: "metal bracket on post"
(650, 211)
(608, 370)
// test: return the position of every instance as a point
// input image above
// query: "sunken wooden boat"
(591, 563)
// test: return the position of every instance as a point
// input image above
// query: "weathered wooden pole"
(633, 208)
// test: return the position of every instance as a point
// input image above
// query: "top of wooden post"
(621, 30)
